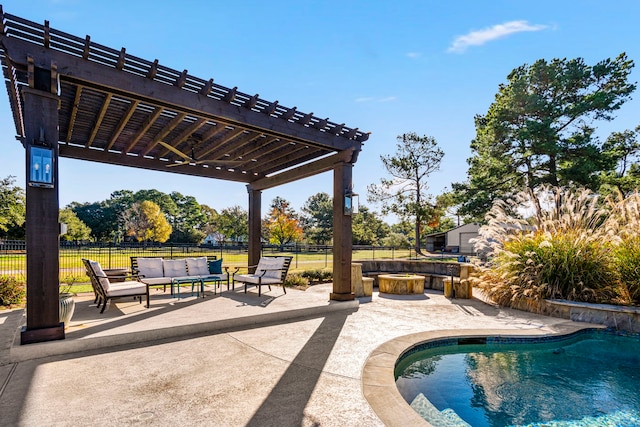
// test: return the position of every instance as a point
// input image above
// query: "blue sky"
(386, 67)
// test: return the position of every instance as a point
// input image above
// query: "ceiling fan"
(191, 160)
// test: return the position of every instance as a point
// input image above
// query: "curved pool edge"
(378, 379)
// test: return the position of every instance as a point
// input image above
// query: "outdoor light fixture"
(40, 157)
(351, 202)
(40, 167)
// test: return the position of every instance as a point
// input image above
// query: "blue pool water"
(588, 379)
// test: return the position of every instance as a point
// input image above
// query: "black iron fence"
(305, 257)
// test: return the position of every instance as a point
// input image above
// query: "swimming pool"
(588, 378)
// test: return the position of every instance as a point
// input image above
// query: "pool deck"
(236, 360)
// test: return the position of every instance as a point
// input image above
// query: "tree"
(282, 223)
(146, 222)
(77, 231)
(396, 240)
(105, 218)
(209, 220)
(624, 148)
(12, 204)
(233, 223)
(539, 130)
(368, 228)
(317, 218)
(406, 193)
(188, 222)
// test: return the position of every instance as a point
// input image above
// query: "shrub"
(318, 275)
(12, 292)
(295, 280)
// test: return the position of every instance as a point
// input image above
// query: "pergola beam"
(73, 152)
(164, 132)
(96, 127)
(304, 171)
(184, 135)
(132, 109)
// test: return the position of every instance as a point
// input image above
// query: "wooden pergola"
(72, 97)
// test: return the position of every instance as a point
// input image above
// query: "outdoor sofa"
(158, 271)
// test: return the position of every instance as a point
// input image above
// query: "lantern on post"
(40, 157)
(351, 202)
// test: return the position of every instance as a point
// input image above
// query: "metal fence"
(305, 257)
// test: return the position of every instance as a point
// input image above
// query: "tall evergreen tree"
(317, 218)
(539, 130)
(406, 194)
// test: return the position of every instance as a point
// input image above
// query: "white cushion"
(150, 267)
(197, 266)
(272, 266)
(154, 281)
(97, 270)
(127, 288)
(252, 278)
(175, 268)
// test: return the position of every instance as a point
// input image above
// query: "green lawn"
(72, 269)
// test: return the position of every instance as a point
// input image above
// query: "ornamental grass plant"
(624, 222)
(560, 244)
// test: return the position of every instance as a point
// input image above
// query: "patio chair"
(271, 270)
(105, 290)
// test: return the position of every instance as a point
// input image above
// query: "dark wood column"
(41, 131)
(342, 238)
(255, 225)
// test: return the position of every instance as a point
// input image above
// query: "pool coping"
(378, 379)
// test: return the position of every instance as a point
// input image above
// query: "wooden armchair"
(271, 270)
(105, 290)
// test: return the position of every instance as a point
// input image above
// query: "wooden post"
(342, 234)
(255, 225)
(43, 233)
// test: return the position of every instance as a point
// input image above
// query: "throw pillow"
(215, 267)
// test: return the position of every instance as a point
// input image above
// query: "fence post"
(326, 255)
(296, 249)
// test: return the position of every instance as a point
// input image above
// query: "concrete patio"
(229, 359)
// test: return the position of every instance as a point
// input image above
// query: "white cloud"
(414, 55)
(480, 37)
